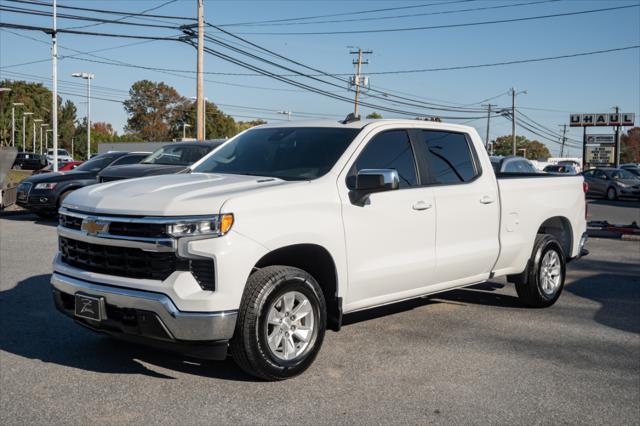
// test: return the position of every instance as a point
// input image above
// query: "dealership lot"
(466, 356)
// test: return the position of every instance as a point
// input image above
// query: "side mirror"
(369, 181)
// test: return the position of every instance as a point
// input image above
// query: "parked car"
(275, 236)
(171, 158)
(632, 168)
(558, 169)
(573, 163)
(29, 161)
(512, 164)
(62, 167)
(612, 183)
(63, 155)
(43, 193)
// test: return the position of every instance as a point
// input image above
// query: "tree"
(67, 121)
(374, 115)
(534, 149)
(630, 146)
(241, 126)
(155, 111)
(219, 125)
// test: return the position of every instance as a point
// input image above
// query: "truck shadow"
(32, 328)
(29, 217)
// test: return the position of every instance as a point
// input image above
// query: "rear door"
(467, 208)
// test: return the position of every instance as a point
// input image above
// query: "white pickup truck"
(273, 237)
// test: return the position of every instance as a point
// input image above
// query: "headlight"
(623, 185)
(47, 185)
(216, 226)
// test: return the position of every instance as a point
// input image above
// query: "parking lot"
(466, 356)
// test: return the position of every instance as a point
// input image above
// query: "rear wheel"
(612, 194)
(281, 323)
(541, 284)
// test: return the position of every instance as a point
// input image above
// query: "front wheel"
(541, 284)
(281, 323)
(612, 194)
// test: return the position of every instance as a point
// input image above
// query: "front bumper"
(148, 317)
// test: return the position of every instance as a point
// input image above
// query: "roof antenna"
(351, 117)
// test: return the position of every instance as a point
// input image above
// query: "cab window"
(388, 150)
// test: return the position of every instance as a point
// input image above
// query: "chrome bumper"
(178, 325)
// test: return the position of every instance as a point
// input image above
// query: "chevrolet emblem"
(93, 227)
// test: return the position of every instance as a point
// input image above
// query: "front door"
(390, 241)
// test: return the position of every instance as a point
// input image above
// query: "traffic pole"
(54, 86)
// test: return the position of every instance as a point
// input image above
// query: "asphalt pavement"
(620, 212)
(471, 356)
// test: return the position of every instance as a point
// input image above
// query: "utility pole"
(357, 79)
(513, 116)
(564, 138)
(54, 77)
(617, 145)
(486, 141)
(200, 85)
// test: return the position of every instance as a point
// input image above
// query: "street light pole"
(41, 126)
(35, 120)
(13, 122)
(54, 84)
(287, 113)
(46, 142)
(2, 90)
(184, 130)
(87, 76)
(513, 118)
(24, 128)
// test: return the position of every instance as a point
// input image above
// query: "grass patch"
(14, 177)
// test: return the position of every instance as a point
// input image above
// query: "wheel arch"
(317, 261)
(559, 227)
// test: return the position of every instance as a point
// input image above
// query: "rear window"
(178, 155)
(449, 155)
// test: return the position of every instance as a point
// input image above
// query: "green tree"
(219, 125)
(374, 115)
(67, 121)
(241, 126)
(630, 146)
(534, 149)
(155, 111)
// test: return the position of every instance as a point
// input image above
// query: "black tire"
(612, 194)
(529, 285)
(249, 346)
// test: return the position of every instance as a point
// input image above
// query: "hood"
(60, 176)
(630, 182)
(139, 170)
(169, 195)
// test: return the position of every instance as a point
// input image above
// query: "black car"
(171, 158)
(512, 164)
(44, 193)
(29, 161)
(612, 183)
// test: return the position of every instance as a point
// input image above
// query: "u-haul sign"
(605, 119)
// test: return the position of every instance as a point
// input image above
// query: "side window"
(449, 156)
(588, 173)
(388, 150)
(128, 159)
(512, 167)
(599, 174)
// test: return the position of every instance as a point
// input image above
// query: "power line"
(143, 12)
(412, 15)
(103, 11)
(434, 27)
(346, 13)
(76, 32)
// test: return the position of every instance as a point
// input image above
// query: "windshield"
(96, 163)
(289, 153)
(177, 155)
(622, 174)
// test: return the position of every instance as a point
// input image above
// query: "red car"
(62, 167)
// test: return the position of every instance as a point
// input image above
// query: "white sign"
(605, 119)
(600, 139)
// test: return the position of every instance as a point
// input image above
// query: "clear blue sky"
(583, 84)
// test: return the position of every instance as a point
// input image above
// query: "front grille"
(70, 222)
(120, 261)
(147, 230)
(125, 229)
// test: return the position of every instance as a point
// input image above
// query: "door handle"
(422, 205)
(486, 199)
